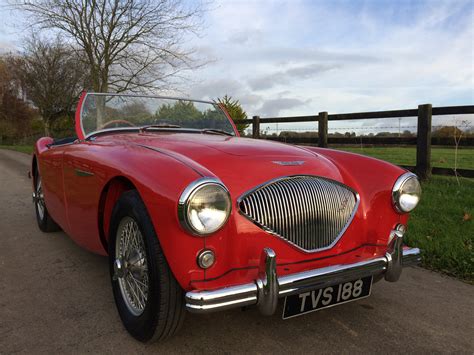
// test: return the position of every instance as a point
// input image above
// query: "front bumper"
(268, 287)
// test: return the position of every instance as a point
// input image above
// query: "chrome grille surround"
(310, 212)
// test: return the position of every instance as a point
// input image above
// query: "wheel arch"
(34, 169)
(40, 146)
(159, 180)
(108, 197)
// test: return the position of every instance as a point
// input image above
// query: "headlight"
(406, 193)
(204, 206)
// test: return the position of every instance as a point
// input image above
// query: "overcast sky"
(296, 57)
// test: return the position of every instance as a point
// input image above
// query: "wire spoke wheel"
(131, 268)
(45, 222)
(149, 300)
(39, 198)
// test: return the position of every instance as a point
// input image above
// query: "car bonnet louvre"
(309, 212)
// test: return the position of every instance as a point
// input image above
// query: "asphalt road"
(56, 298)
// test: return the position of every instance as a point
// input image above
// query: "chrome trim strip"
(247, 294)
(291, 196)
(330, 275)
(411, 257)
(151, 96)
(222, 299)
(268, 287)
(83, 173)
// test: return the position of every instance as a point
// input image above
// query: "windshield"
(105, 112)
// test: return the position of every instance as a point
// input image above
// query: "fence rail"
(375, 140)
(423, 140)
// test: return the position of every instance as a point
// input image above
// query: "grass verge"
(19, 148)
(440, 157)
(442, 226)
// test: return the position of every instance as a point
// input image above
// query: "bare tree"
(52, 75)
(15, 114)
(457, 135)
(130, 45)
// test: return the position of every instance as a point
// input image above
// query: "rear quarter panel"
(49, 164)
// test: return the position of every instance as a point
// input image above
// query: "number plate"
(315, 300)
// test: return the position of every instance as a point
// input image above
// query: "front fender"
(159, 180)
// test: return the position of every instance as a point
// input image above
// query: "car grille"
(308, 211)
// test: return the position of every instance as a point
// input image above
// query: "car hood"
(239, 162)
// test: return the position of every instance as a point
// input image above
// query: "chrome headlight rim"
(397, 188)
(186, 197)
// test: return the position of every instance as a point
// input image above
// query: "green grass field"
(442, 224)
(440, 157)
(19, 148)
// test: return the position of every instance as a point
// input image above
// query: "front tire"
(149, 300)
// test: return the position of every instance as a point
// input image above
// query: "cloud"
(301, 57)
(250, 101)
(274, 107)
(7, 47)
(212, 89)
(245, 37)
(342, 56)
(284, 54)
(287, 76)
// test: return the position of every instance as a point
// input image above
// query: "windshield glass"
(105, 112)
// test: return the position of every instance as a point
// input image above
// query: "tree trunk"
(47, 128)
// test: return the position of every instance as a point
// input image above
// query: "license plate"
(315, 300)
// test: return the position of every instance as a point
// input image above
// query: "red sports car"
(195, 218)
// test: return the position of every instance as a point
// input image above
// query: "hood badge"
(287, 163)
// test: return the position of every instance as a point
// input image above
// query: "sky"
(300, 57)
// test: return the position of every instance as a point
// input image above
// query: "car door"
(84, 179)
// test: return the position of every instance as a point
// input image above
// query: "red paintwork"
(79, 132)
(82, 205)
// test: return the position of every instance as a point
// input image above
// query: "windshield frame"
(80, 106)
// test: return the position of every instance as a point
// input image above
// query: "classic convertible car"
(193, 217)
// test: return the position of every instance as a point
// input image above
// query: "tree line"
(95, 45)
(448, 131)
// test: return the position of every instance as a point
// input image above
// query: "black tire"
(164, 311)
(45, 222)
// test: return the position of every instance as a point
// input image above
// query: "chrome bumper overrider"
(268, 287)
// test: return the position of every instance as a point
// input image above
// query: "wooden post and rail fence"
(423, 139)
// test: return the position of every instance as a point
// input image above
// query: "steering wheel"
(107, 124)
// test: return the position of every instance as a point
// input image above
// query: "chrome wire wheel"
(39, 198)
(130, 267)
(149, 300)
(45, 222)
